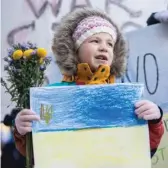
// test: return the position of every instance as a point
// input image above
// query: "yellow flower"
(17, 54)
(41, 60)
(41, 52)
(28, 53)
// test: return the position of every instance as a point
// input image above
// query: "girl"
(90, 49)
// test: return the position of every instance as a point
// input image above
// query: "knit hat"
(90, 26)
(68, 38)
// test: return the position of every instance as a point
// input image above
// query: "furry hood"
(63, 45)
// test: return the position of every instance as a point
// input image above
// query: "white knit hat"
(90, 26)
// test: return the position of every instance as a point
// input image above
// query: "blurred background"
(35, 21)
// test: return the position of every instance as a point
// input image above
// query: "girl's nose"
(103, 47)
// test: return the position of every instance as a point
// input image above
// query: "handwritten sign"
(147, 62)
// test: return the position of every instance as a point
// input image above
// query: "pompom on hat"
(90, 26)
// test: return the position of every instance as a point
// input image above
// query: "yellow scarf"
(85, 76)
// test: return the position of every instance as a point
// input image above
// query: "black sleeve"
(10, 118)
(157, 120)
(151, 20)
(153, 152)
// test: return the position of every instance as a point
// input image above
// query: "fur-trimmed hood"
(63, 45)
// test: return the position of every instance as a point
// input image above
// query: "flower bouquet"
(25, 68)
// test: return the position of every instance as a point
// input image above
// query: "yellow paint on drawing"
(108, 147)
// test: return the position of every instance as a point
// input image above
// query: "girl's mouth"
(102, 57)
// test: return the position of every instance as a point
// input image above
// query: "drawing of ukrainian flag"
(91, 126)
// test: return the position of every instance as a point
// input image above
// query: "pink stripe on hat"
(90, 26)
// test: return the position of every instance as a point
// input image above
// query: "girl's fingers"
(143, 108)
(29, 118)
(141, 115)
(26, 124)
(27, 112)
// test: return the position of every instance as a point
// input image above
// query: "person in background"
(158, 17)
(10, 156)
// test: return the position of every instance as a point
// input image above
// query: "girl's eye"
(110, 44)
(95, 41)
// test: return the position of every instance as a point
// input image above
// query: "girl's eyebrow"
(109, 40)
(96, 37)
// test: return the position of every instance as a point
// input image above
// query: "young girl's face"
(97, 50)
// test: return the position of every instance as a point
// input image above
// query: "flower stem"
(29, 151)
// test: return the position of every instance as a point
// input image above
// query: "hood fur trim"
(63, 45)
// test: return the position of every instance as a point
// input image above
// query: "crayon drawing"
(89, 126)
